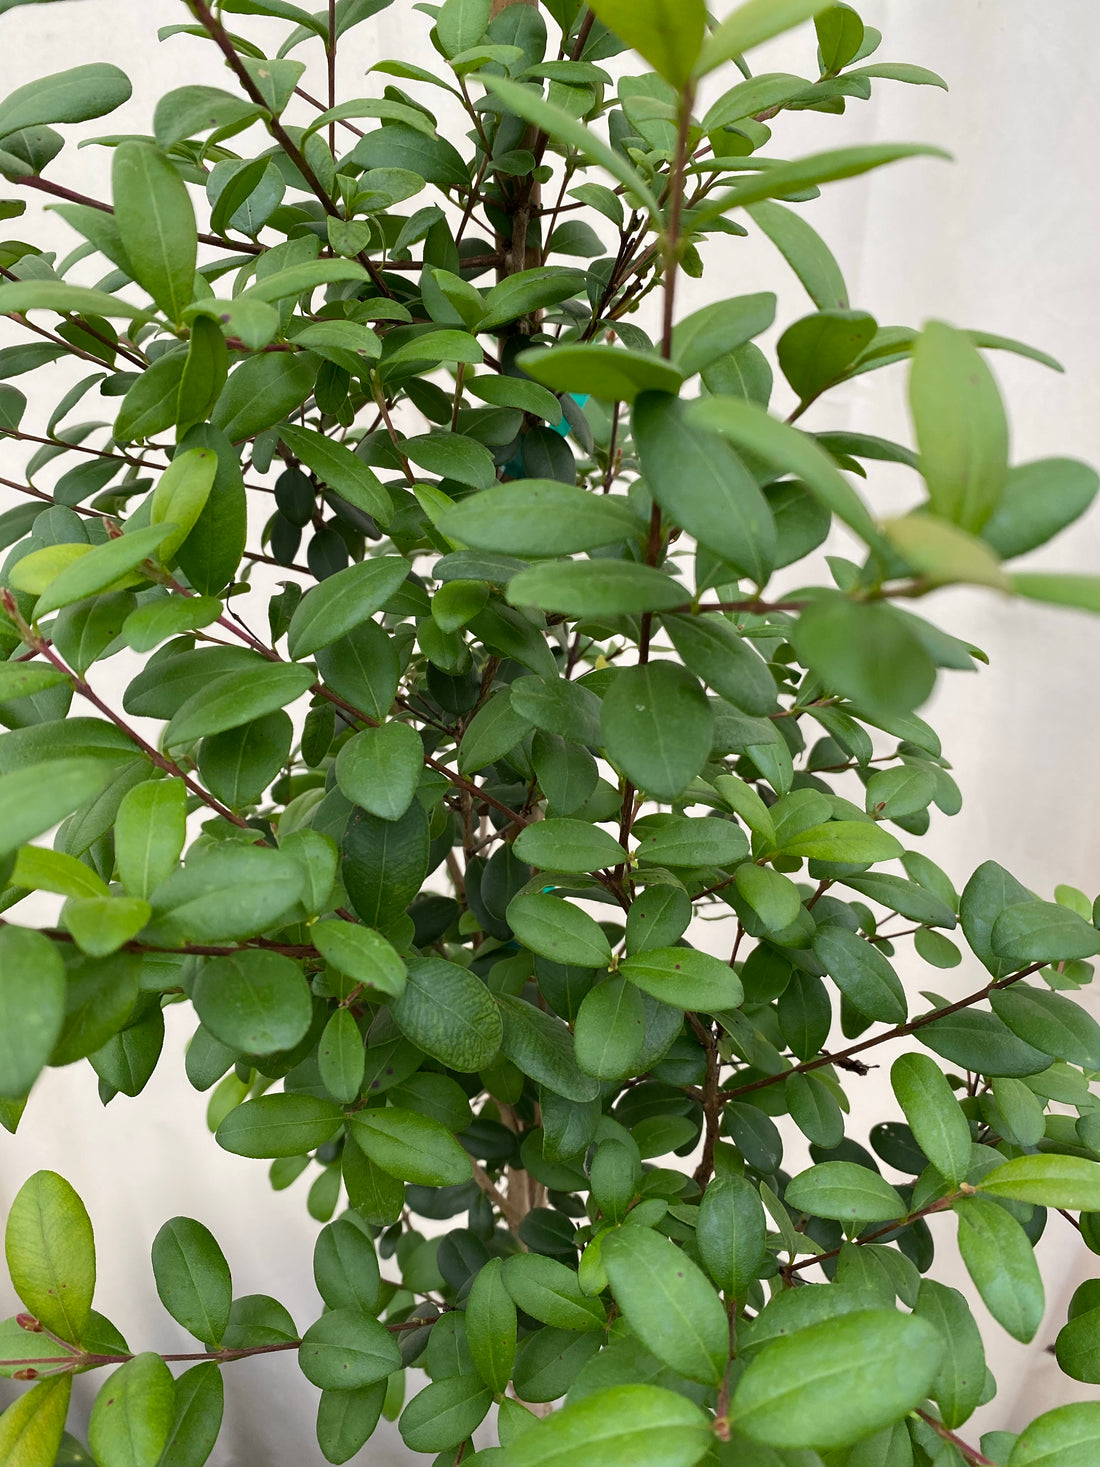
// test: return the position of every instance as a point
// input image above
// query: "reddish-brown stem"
(972, 1454)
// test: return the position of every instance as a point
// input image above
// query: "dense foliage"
(418, 822)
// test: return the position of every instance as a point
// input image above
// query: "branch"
(898, 1032)
(972, 1455)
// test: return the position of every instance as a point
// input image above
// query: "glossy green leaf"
(448, 1013)
(255, 1002)
(657, 727)
(751, 23)
(999, 1259)
(1030, 930)
(539, 517)
(1047, 1181)
(342, 602)
(557, 930)
(551, 1293)
(845, 1191)
(667, 33)
(609, 1031)
(379, 769)
(181, 495)
(261, 392)
(668, 1303)
(76, 95)
(32, 1427)
(865, 652)
(235, 698)
(611, 372)
(960, 1381)
(491, 1325)
(346, 1349)
(198, 1417)
(132, 1415)
(32, 1006)
(341, 469)
(730, 1232)
(279, 1125)
(156, 224)
(622, 588)
(37, 798)
(362, 954)
(541, 1047)
(938, 1125)
(1065, 1437)
(568, 845)
(192, 1278)
(345, 1268)
(805, 251)
(788, 1395)
(1052, 1023)
(411, 1146)
(614, 1426)
(685, 978)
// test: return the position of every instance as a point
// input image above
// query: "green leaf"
(1044, 931)
(609, 1031)
(379, 769)
(539, 517)
(340, 1058)
(805, 252)
(158, 621)
(845, 1191)
(345, 1268)
(51, 1254)
(341, 469)
(448, 1013)
(187, 112)
(558, 930)
(39, 797)
(611, 372)
(542, 1047)
(76, 95)
(342, 602)
(749, 25)
(491, 1325)
(1054, 1024)
(685, 978)
(346, 1349)
(255, 1002)
(197, 1419)
(701, 484)
(528, 103)
(444, 1414)
(713, 649)
(918, 76)
(844, 840)
(622, 588)
(100, 925)
(551, 1293)
(1064, 1437)
(960, 1382)
(193, 1279)
(461, 24)
(788, 451)
(1038, 500)
(261, 392)
(730, 1232)
(668, 33)
(657, 727)
(718, 329)
(385, 862)
(19, 679)
(938, 1125)
(100, 569)
(839, 36)
(790, 1396)
(773, 897)
(279, 1125)
(1059, 589)
(865, 651)
(156, 224)
(567, 845)
(58, 295)
(363, 955)
(981, 1042)
(149, 834)
(861, 973)
(960, 425)
(816, 351)
(410, 1146)
(668, 1302)
(1071, 1182)
(519, 295)
(32, 1427)
(32, 1007)
(40, 869)
(237, 698)
(611, 1427)
(181, 495)
(999, 1259)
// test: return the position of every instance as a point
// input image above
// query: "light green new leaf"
(668, 33)
(101, 925)
(944, 554)
(1059, 589)
(150, 830)
(32, 1427)
(32, 1006)
(102, 568)
(960, 424)
(938, 1125)
(1070, 1182)
(58, 295)
(51, 1254)
(192, 1278)
(750, 24)
(156, 223)
(133, 1413)
(181, 495)
(668, 1302)
(837, 1381)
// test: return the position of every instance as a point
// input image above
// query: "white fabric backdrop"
(1002, 240)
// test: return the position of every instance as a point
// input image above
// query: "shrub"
(423, 849)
